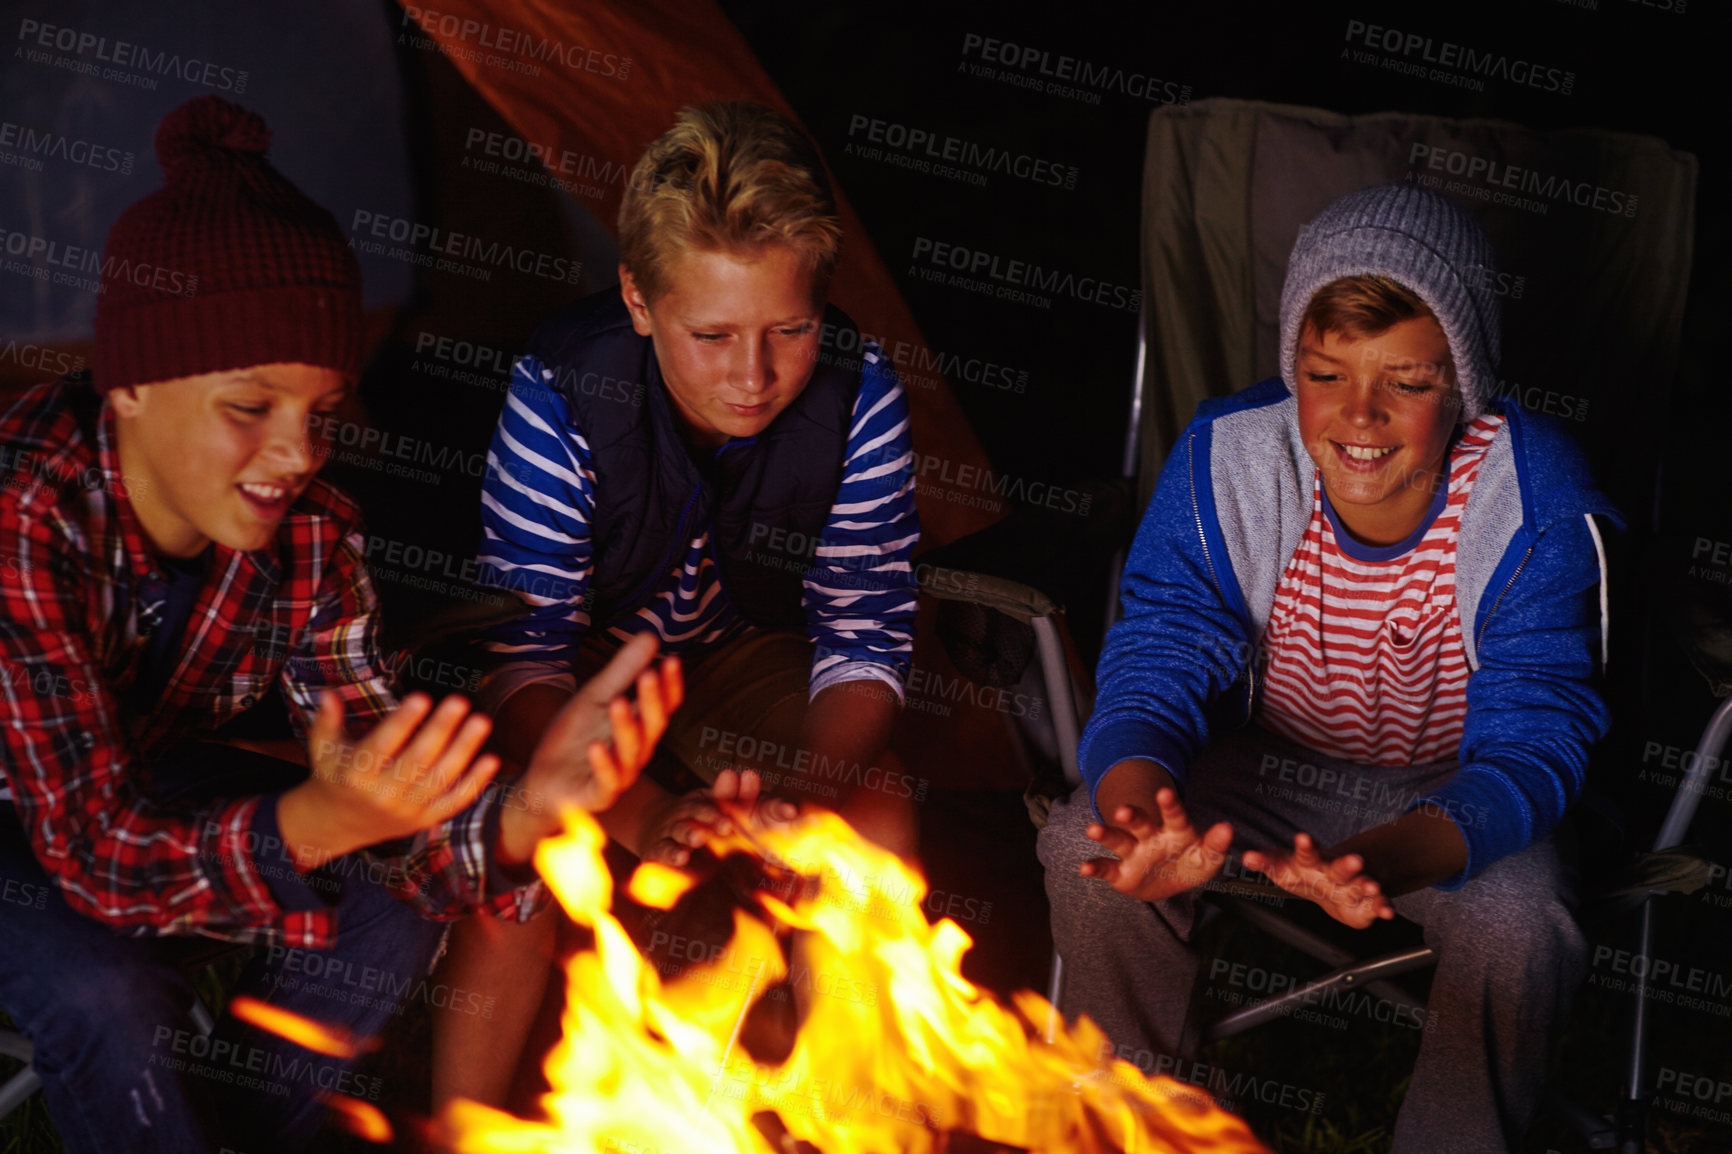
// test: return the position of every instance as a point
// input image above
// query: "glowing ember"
(333, 1041)
(358, 1117)
(912, 1055)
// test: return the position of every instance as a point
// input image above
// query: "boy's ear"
(635, 302)
(128, 400)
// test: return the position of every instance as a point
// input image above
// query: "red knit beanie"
(227, 265)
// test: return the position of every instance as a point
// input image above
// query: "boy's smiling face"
(736, 336)
(221, 456)
(1377, 414)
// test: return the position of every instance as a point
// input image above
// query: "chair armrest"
(1022, 602)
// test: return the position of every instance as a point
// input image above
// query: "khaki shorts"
(756, 682)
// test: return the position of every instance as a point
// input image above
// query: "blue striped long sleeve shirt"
(538, 502)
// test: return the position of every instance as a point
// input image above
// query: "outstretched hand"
(594, 748)
(599, 742)
(1160, 855)
(1339, 885)
(692, 819)
(417, 767)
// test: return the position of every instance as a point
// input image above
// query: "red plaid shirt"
(77, 580)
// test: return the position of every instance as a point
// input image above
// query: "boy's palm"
(1160, 856)
(575, 763)
(416, 768)
(1340, 886)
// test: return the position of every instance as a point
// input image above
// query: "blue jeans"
(124, 1069)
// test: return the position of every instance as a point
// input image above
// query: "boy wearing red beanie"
(175, 559)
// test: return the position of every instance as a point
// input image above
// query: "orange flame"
(360, 1118)
(332, 1041)
(897, 1049)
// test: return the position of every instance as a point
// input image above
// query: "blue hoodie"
(1232, 504)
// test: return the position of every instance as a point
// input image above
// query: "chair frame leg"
(1632, 1118)
(1056, 673)
(1055, 991)
(1325, 951)
(17, 1088)
(1363, 974)
(1632, 1109)
(25, 1082)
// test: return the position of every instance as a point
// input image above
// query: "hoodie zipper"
(1197, 515)
(1486, 624)
(1197, 512)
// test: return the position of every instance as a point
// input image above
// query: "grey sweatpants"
(1510, 955)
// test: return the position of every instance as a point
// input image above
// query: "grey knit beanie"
(1424, 243)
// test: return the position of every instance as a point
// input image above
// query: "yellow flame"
(658, 886)
(897, 1049)
(333, 1041)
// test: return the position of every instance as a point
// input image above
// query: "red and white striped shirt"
(1363, 657)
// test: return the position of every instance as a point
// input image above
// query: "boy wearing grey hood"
(1395, 586)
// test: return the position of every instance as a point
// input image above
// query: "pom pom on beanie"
(227, 265)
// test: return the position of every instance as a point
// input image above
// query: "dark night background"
(1639, 70)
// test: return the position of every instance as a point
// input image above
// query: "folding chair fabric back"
(1593, 232)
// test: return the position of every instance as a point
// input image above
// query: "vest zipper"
(1477, 641)
(633, 603)
(715, 559)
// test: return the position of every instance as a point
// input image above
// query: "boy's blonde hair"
(1361, 306)
(728, 177)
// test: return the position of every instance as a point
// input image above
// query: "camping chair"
(1228, 184)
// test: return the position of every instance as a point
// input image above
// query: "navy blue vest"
(765, 499)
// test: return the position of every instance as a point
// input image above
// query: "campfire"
(895, 1053)
(917, 1060)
